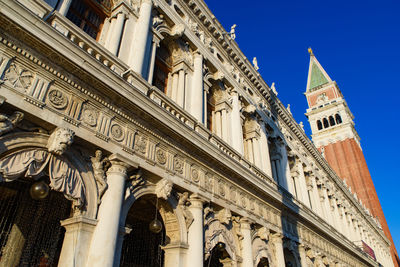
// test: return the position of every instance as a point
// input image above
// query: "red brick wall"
(347, 159)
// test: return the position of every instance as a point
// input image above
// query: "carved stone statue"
(99, 165)
(163, 188)
(59, 140)
(183, 203)
(255, 63)
(9, 123)
(232, 33)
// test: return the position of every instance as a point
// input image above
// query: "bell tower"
(334, 134)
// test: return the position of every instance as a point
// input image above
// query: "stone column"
(181, 88)
(247, 249)
(64, 7)
(142, 29)
(105, 236)
(78, 233)
(277, 241)
(303, 191)
(252, 136)
(195, 253)
(115, 37)
(196, 103)
(156, 43)
(217, 123)
(303, 255)
(175, 255)
(265, 158)
(236, 125)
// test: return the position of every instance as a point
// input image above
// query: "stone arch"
(217, 232)
(176, 229)
(260, 250)
(19, 141)
(172, 216)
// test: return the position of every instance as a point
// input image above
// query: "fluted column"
(115, 36)
(236, 126)
(195, 254)
(196, 96)
(278, 243)
(265, 158)
(180, 94)
(156, 43)
(105, 236)
(142, 29)
(247, 249)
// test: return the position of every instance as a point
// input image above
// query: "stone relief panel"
(18, 76)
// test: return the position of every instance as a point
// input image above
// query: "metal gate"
(142, 248)
(30, 230)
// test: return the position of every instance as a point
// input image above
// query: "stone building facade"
(136, 133)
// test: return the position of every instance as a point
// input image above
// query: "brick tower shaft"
(334, 134)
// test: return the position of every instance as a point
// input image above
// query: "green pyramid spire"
(317, 76)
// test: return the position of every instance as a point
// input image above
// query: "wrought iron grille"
(30, 230)
(141, 247)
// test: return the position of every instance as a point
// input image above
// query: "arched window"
(331, 121)
(162, 68)
(319, 125)
(89, 15)
(338, 119)
(326, 123)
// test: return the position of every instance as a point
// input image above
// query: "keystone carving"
(163, 188)
(32, 163)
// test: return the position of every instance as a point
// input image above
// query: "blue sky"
(358, 44)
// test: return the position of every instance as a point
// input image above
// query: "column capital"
(197, 54)
(245, 223)
(196, 201)
(119, 164)
(277, 237)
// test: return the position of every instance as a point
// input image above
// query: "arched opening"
(219, 257)
(30, 230)
(319, 125)
(331, 121)
(263, 262)
(338, 119)
(326, 124)
(89, 15)
(141, 247)
(162, 68)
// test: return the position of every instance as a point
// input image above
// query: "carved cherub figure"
(99, 165)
